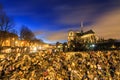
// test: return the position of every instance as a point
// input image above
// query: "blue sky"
(51, 19)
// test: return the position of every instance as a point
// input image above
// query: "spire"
(81, 26)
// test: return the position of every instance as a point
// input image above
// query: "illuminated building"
(8, 39)
(79, 37)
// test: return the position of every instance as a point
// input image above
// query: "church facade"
(86, 39)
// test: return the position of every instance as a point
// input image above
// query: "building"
(81, 39)
(8, 39)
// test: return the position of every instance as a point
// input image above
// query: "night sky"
(50, 20)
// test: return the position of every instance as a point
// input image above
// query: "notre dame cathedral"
(86, 39)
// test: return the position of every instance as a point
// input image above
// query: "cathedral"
(84, 37)
(87, 37)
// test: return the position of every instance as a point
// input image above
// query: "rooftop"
(84, 33)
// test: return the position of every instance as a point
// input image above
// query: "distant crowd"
(92, 65)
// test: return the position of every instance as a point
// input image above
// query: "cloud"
(89, 11)
(38, 32)
(52, 36)
(73, 15)
(57, 36)
(108, 26)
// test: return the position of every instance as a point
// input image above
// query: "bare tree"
(14, 31)
(6, 24)
(26, 34)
